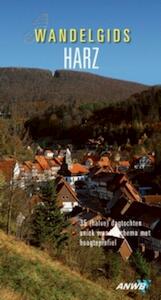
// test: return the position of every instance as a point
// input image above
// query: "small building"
(10, 169)
(66, 197)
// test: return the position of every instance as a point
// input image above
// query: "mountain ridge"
(32, 84)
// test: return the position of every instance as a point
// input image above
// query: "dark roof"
(105, 172)
(87, 215)
(116, 209)
(144, 212)
(76, 210)
(62, 183)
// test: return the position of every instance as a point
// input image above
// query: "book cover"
(80, 150)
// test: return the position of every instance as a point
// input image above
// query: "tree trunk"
(9, 214)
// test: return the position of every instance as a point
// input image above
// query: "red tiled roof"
(29, 164)
(37, 167)
(42, 162)
(155, 199)
(53, 162)
(124, 163)
(59, 160)
(78, 169)
(25, 168)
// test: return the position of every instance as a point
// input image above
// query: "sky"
(138, 61)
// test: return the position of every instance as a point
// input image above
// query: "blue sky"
(138, 61)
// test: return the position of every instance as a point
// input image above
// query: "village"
(99, 195)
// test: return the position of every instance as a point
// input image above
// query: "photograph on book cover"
(80, 150)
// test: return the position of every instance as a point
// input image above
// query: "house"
(97, 171)
(10, 169)
(30, 171)
(109, 187)
(66, 197)
(49, 166)
(93, 159)
(41, 169)
(97, 184)
(90, 159)
(78, 172)
(142, 162)
(149, 231)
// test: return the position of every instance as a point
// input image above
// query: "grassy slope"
(29, 274)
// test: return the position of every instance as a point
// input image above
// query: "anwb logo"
(141, 285)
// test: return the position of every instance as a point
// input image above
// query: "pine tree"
(48, 224)
(141, 265)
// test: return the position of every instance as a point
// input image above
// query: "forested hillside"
(26, 85)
